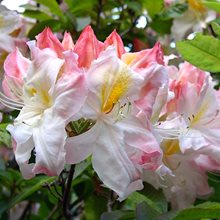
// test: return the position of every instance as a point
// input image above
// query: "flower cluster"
(148, 121)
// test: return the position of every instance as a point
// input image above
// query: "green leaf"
(118, 215)
(168, 215)
(202, 211)
(202, 51)
(153, 7)
(135, 198)
(82, 23)
(36, 15)
(31, 189)
(144, 211)
(55, 25)
(80, 167)
(53, 6)
(216, 28)
(5, 137)
(156, 196)
(173, 11)
(95, 206)
(160, 26)
(213, 5)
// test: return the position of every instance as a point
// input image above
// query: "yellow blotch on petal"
(197, 5)
(171, 147)
(128, 58)
(114, 88)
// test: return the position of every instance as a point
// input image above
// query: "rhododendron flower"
(195, 19)
(115, 79)
(48, 91)
(188, 131)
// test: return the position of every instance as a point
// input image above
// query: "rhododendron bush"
(110, 110)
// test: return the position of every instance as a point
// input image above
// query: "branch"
(99, 14)
(66, 197)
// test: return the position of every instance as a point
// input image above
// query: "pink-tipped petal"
(67, 42)
(46, 39)
(115, 40)
(144, 58)
(88, 47)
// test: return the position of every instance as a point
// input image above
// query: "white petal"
(80, 147)
(113, 166)
(49, 139)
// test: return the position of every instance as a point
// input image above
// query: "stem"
(66, 197)
(99, 14)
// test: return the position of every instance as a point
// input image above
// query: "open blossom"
(11, 25)
(189, 137)
(116, 80)
(48, 91)
(195, 19)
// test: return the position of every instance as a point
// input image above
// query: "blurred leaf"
(146, 212)
(36, 15)
(156, 196)
(55, 25)
(118, 215)
(153, 7)
(216, 28)
(168, 215)
(28, 191)
(135, 198)
(214, 182)
(213, 5)
(81, 8)
(5, 137)
(2, 164)
(202, 211)
(95, 206)
(173, 11)
(82, 23)
(135, 6)
(80, 167)
(160, 26)
(202, 51)
(53, 6)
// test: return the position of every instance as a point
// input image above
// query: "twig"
(134, 22)
(25, 211)
(53, 211)
(99, 14)
(66, 197)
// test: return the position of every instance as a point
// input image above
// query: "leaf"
(80, 167)
(168, 215)
(214, 5)
(160, 26)
(202, 211)
(202, 51)
(55, 25)
(36, 15)
(53, 6)
(145, 212)
(156, 196)
(135, 198)
(118, 215)
(30, 190)
(5, 137)
(173, 11)
(82, 23)
(153, 7)
(95, 206)
(216, 28)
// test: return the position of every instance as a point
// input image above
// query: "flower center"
(114, 88)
